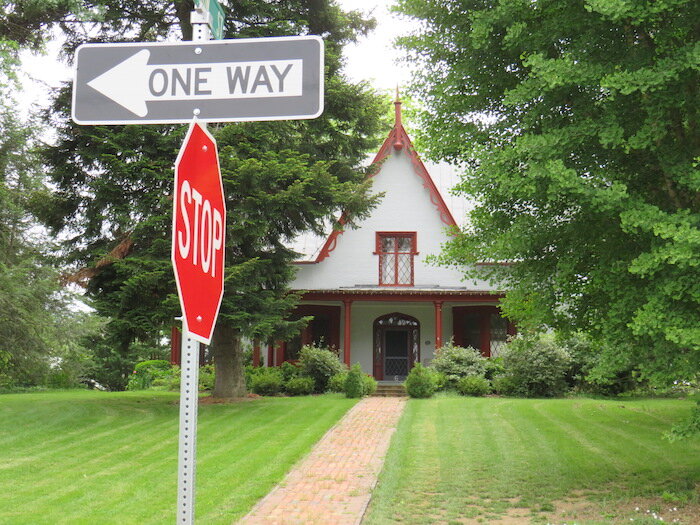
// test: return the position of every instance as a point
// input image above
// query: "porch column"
(438, 324)
(175, 345)
(270, 354)
(256, 353)
(348, 328)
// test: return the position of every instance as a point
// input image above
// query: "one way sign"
(216, 81)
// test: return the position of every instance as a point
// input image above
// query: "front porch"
(388, 331)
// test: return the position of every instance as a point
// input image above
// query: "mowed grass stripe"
(128, 473)
(454, 458)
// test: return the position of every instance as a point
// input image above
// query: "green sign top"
(216, 10)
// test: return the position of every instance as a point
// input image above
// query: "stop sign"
(198, 232)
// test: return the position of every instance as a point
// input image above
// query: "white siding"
(406, 206)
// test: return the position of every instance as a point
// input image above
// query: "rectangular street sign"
(216, 81)
(217, 16)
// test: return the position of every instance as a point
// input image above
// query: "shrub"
(440, 380)
(267, 382)
(320, 364)
(337, 382)
(207, 377)
(289, 371)
(421, 382)
(369, 385)
(456, 362)
(503, 385)
(494, 367)
(474, 386)
(299, 386)
(146, 371)
(537, 366)
(354, 382)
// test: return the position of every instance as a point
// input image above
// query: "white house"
(371, 292)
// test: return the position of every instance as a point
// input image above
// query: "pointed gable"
(397, 141)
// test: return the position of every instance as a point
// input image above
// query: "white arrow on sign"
(134, 81)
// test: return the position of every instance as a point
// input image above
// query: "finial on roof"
(397, 106)
(397, 120)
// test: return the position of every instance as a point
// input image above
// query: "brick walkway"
(333, 484)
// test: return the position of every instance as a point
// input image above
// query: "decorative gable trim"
(398, 139)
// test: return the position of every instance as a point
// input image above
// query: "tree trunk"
(229, 376)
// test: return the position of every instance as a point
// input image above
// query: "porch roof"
(395, 293)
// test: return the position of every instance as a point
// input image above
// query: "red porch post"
(438, 324)
(175, 342)
(256, 353)
(485, 326)
(279, 353)
(270, 354)
(348, 327)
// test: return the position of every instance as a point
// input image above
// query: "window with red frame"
(396, 251)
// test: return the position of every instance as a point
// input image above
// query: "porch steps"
(390, 390)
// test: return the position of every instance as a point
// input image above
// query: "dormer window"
(396, 251)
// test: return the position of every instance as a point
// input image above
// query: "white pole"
(189, 376)
(187, 446)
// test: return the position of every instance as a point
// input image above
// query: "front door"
(396, 346)
(396, 353)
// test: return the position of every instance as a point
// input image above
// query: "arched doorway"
(396, 346)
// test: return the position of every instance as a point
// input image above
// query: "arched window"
(396, 346)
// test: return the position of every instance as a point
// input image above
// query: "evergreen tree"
(114, 184)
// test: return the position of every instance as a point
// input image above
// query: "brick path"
(333, 484)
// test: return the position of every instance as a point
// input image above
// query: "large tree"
(576, 122)
(31, 301)
(114, 184)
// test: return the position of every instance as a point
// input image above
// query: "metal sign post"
(189, 377)
(242, 80)
(187, 443)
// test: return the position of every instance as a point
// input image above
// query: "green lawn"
(493, 460)
(91, 457)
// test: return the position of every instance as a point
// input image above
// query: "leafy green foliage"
(299, 386)
(535, 367)
(420, 382)
(146, 372)
(267, 382)
(354, 387)
(475, 386)
(337, 382)
(280, 179)
(369, 385)
(320, 364)
(577, 127)
(456, 362)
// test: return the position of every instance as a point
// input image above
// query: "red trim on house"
(378, 251)
(279, 352)
(256, 353)
(402, 295)
(175, 345)
(347, 331)
(438, 324)
(312, 310)
(484, 312)
(379, 347)
(270, 354)
(397, 139)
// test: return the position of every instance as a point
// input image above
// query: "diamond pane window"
(396, 251)
(499, 334)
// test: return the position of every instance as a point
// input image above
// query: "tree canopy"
(113, 184)
(577, 126)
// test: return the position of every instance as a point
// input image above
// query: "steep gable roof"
(397, 140)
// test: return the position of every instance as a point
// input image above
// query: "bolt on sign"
(199, 232)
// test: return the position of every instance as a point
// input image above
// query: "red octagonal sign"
(199, 220)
